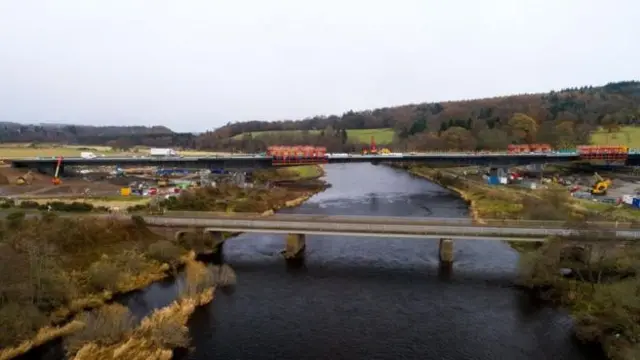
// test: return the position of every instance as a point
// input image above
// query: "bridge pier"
(445, 252)
(214, 241)
(294, 247)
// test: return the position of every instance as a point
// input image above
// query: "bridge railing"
(406, 220)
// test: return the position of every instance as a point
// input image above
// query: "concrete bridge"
(296, 227)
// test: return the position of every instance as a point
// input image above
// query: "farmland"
(628, 136)
(382, 136)
(12, 151)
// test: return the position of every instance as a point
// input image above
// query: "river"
(373, 298)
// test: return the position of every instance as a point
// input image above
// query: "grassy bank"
(52, 268)
(111, 332)
(602, 290)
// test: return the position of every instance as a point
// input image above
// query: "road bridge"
(296, 227)
(260, 161)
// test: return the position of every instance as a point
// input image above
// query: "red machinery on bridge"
(604, 153)
(297, 155)
(528, 148)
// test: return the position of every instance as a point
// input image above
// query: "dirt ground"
(42, 186)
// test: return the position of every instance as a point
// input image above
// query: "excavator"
(373, 150)
(25, 179)
(601, 185)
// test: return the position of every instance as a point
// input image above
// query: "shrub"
(16, 219)
(138, 221)
(105, 326)
(28, 204)
(19, 322)
(48, 216)
(130, 261)
(167, 333)
(103, 275)
(164, 251)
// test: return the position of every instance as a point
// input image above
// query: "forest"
(562, 118)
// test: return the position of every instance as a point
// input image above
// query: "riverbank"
(158, 334)
(82, 265)
(602, 288)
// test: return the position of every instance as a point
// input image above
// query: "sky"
(194, 65)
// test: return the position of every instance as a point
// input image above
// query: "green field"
(382, 136)
(13, 151)
(627, 136)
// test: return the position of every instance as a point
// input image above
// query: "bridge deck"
(377, 229)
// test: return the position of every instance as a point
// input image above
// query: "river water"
(373, 298)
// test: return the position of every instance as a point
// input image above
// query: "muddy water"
(372, 298)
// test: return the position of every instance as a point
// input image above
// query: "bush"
(138, 221)
(54, 290)
(136, 208)
(16, 219)
(103, 275)
(164, 251)
(130, 261)
(48, 217)
(28, 204)
(19, 323)
(106, 326)
(167, 333)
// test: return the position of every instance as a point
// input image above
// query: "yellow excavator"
(601, 185)
(25, 179)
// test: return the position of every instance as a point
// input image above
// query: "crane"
(56, 178)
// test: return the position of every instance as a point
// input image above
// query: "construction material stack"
(529, 148)
(297, 155)
(604, 154)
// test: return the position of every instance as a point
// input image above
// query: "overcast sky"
(194, 65)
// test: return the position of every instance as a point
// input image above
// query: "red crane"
(373, 149)
(56, 178)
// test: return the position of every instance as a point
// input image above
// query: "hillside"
(563, 118)
(117, 136)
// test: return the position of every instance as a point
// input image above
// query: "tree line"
(562, 118)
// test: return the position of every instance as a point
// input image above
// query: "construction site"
(110, 182)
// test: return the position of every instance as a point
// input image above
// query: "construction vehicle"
(25, 179)
(601, 185)
(56, 178)
(373, 149)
